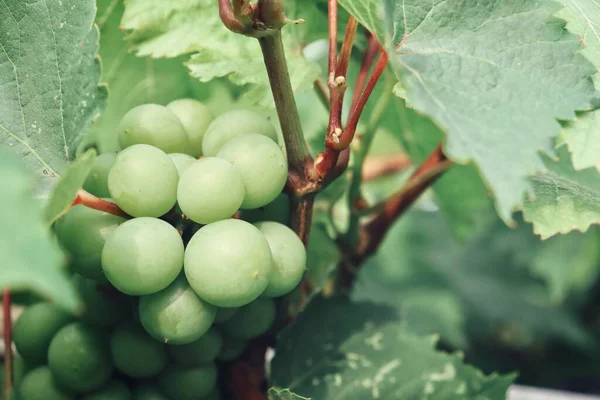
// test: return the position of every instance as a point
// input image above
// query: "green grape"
(20, 369)
(200, 352)
(277, 211)
(97, 181)
(196, 118)
(148, 391)
(223, 314)
(35, 329)
(83, 234)
(143, 256)
(176, 315)
(113, 390)
(227, 263)
(233, 124)
(39, 384)
(155, 125)
(135, 353)
(210, 190)
(262, 165)
(232, 348)
(143, 181)
(79, 357)
(182, 161)
(102, 304)
(289, 258)
(183, 383)
(251, 320)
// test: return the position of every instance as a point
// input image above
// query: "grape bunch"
(165, 303)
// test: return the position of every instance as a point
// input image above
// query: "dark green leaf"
(284, 394)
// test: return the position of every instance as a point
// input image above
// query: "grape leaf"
(31, 258)
(50, 74)
(336, 349)
(583, 135)
(495, 76)
(488, 278)
(564, 199)
(284, 394)
(67, 187)
(172, 28)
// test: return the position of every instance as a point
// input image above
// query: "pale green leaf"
(582, 136)
(495, 76)
(50, 74)
(31, 258)
(337, 349)
(173, 28)
(66, 189)
(284, 394)
(564, 199)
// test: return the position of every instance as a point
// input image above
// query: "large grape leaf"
(31, 258)
(495, 75)
(50, 73)
(172, 28)
(337, 349)
(482, 284)
(564, 199)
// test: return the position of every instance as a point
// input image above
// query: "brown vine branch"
(332, 19)
(376, 167)
(373, 233)
(89, 200)
(7, 330)
(365, 67)
(229, 19)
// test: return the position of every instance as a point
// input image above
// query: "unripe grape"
(97, 181)
(251, 321)
(233, 124)
(200, 352)
(35, 329)
(227, 263)
(135, 353)
(223, 314)
(102, 305)
(263, 167)
(289, 258)
(143, 256)
(176, 315)
(155, 125)
(79, 357)
(113, 390)
(83, 233)
(196, 118)
(277, 211)
(143, 181)
(210, 190)
(148, 391)
(182, 161)
(188, 383)
(39, 384)
(232, 348)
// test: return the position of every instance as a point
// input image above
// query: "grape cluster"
(163, 306)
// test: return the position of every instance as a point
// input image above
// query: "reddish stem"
(365, 66)
(332, 16)
(302, 216)
(375, 230)
(227, 14)
(342, 65)
(96, 203)
(346, 138)
(8, 356)
(376, 167)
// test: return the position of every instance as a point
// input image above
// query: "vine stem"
(375, 230)
(376, 167)
(89, 200)
(7, 330)
(367, 62)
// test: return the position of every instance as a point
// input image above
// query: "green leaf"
(284, 394)
(173, 28)
(564, 199)
(483, 283)
(582, 136)
(66, 189)
(50, 75)
(495, 76)
(336, 349)
(31, 258)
